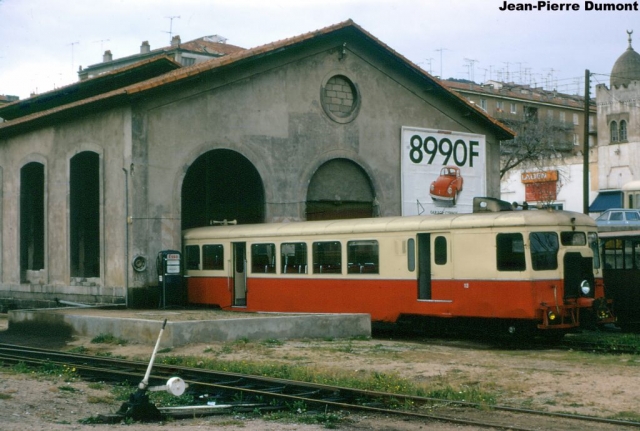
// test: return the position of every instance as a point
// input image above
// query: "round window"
(340, 98)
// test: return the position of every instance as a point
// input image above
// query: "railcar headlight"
(551, 315)
(585, 287)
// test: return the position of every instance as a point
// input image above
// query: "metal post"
(585, 149)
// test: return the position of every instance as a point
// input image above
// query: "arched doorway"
(222, 184)
(339, 189)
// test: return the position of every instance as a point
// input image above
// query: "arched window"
(613, 128)
(623, 130)
(84, 214)
(32, 219)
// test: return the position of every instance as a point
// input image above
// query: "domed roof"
(626, 68)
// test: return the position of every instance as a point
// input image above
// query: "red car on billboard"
(447, 186)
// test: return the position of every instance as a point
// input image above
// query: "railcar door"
(239, 274)
(424, 266)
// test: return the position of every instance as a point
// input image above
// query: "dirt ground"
(552, 380)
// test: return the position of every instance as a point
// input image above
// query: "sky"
(44, 42)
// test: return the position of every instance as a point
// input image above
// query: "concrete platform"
(188, 326)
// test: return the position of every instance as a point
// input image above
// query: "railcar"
(515, 270)
(621, 272)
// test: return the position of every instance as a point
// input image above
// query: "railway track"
(218, 392)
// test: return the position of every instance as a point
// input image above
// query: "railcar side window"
(621, 254)
(192, 256)
(263, 258)
(593, 244)
(544, 250)
(363, 257)
(613, 252)
(440, 245)
(510, 252)
(212, 256)
(411, 254)
(327, 257)
(293, 258)
(573, 238)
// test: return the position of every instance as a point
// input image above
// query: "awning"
(606, 200)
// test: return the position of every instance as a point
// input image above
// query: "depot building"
(99, 176)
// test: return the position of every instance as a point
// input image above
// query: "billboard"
(442, 171)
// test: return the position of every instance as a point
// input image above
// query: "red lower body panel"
(384, 300)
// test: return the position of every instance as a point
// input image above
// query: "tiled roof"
(89, 88)
(208, 47)
(518, 91)
(186, 73)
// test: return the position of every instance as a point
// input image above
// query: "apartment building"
(556, 182)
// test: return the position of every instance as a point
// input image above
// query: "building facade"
(558, 182)
(619, 130)
(100, 176)
(186, 54)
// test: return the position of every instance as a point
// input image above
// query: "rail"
(223, 390)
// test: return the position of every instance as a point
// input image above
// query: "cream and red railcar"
(520, 269)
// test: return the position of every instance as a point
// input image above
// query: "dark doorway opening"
(219, 185)
(84, 209)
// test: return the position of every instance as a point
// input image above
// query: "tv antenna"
(471, 62)
(171, 18)
(101, 41)
(72, 45)
(440, 51)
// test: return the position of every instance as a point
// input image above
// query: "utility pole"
(585, 148)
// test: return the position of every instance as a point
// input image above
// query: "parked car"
(619, 217)
(447, 186)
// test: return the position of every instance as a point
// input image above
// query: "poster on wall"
(442, 171)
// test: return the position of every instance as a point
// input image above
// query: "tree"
(538, 143)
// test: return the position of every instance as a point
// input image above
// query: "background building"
(619, 131)
(544, 164)
(185, 54)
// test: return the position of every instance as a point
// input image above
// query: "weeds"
(109, 339)
(629, 343)
(371, 381)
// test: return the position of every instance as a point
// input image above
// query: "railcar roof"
(395, 224)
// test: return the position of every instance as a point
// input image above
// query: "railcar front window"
(192, 256)
(263, 258)
(573, 238)
(293, 258)
(544, 250)
(363, 257)
(510, 252)
(327, 257)
(212, 257)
